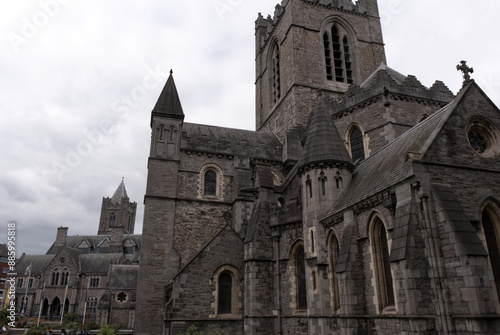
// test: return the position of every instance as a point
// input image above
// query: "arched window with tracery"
(54, 277)
(382, 266)
(333, 254)
(210, 184)
(92, 308)
(300, 279)
(491, 227)
(64, 277)
(356, 144)
(338, 54)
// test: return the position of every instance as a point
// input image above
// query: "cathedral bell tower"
(310, 46)
(117, 211)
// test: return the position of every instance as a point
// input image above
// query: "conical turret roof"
(323, 141)
(121, 192)
(168, 103)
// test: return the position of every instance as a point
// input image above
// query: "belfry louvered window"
(338, 58)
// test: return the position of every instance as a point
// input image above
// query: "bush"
(108, 330)
(192, 330)
(67, 318)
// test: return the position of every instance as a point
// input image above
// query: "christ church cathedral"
(363, 203)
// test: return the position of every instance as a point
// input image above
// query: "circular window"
(121, 297)
(484, 137)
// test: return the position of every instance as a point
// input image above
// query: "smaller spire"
(168, 103)
(323, 141)
(120, 193)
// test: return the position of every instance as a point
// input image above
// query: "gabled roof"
(395, 75)
(92, 240)
(228, 141)
(123, 276)
(391, 164)
(168, 103)
(38, 263)
(121, 192)
(98, 263)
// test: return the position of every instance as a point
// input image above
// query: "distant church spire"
(120, 193)
(117, 211)
(168, 103)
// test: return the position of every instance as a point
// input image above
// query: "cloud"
(74, 93)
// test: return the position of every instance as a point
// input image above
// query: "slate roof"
(323, 141)
(168, 103)
(229, 141)
(395, 75)
(123, 276)
(390, 164)
(98, 263)
(121, 192)
(38, 263)
(93, 240)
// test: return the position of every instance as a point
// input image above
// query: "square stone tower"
(308, 47)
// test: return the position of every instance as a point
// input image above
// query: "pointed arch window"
(338, 180)
(54, 277)
(338, 58)
(333, 253)
(300, 278)
(491, 234)
(309, 187)
(276, 76)
(64, 277)
(356, 144)
(322, 183)
(382, 266)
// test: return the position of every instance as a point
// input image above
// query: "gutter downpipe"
(276, 241)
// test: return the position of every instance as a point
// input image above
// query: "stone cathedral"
(364, 202)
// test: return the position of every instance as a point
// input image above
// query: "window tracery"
(337, 49)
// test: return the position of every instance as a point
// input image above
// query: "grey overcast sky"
(78, 80)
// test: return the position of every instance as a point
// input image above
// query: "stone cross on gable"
(465, 71)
